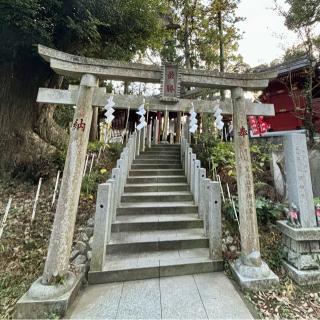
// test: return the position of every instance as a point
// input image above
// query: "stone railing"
(207, 196)
(109, 195)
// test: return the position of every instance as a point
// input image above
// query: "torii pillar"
(57, 280)
(252, 273)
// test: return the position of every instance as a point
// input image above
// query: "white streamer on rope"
(109, 110)
(141, 112)
(193, 120)
(219, 123)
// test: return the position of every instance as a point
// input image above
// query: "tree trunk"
(27, 129)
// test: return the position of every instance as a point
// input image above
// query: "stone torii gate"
(249, 268)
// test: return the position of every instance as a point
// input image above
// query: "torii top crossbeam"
(75, 66)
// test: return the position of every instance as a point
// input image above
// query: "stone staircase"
(157, 231)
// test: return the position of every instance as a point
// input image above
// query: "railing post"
(214, 220)
(116, 177)
(182, 150)
(201, 177)
(192, 168)
(149, 136)
(186, 159)
(205, 204)
(102, 227)
(143, 139)
(197, 166)
(189, 164)
(125, 167)
(120, 167)
(134, 144)
(156, 131)
(138, 143)
(131, 147)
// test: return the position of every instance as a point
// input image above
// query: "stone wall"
(303, 255)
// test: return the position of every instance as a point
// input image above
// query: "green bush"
(267, 210)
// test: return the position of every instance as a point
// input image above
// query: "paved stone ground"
(199, 296)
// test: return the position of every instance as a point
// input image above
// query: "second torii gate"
(89, 72)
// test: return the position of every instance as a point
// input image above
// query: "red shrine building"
(286, 93)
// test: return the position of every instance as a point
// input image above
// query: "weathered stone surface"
(299, 234)
(81, 259)
(229, 240)
(298, 178)
(89, 231)
(254, 278)
(314, 160)
(84, 237)
(90, 242)
(252, 260)
(74, 66)
(233, 248)
(277, 172)
(301, 253)
(302, 261)
(90, 222)
(43, 308)
(60, 244)
(102, 230)
(81, 247)
(302, 277)
(89, 255)
(74, 254)
(214, 221)
(247, 206)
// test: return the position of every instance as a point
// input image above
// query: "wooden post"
(57, 262)
(55, 188)
(247, 209)
(4, 219)
(36, 200)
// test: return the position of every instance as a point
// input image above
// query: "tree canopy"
(302, 13)
(108, 29)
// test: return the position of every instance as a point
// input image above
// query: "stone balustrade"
(206, 195)
(109, 198)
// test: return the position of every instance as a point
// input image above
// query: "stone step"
(155, 264)
(156, 179)
(157, 197)
(156, 161)
(173, 146)
(163, 153)
(156, 166)
(156, 172)
(131, 246)
(159, 156)
(156, 187)
(156, 208)
(156, 222)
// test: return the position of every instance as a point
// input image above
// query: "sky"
(265, 35)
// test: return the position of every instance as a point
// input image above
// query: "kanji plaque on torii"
(170, 83)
